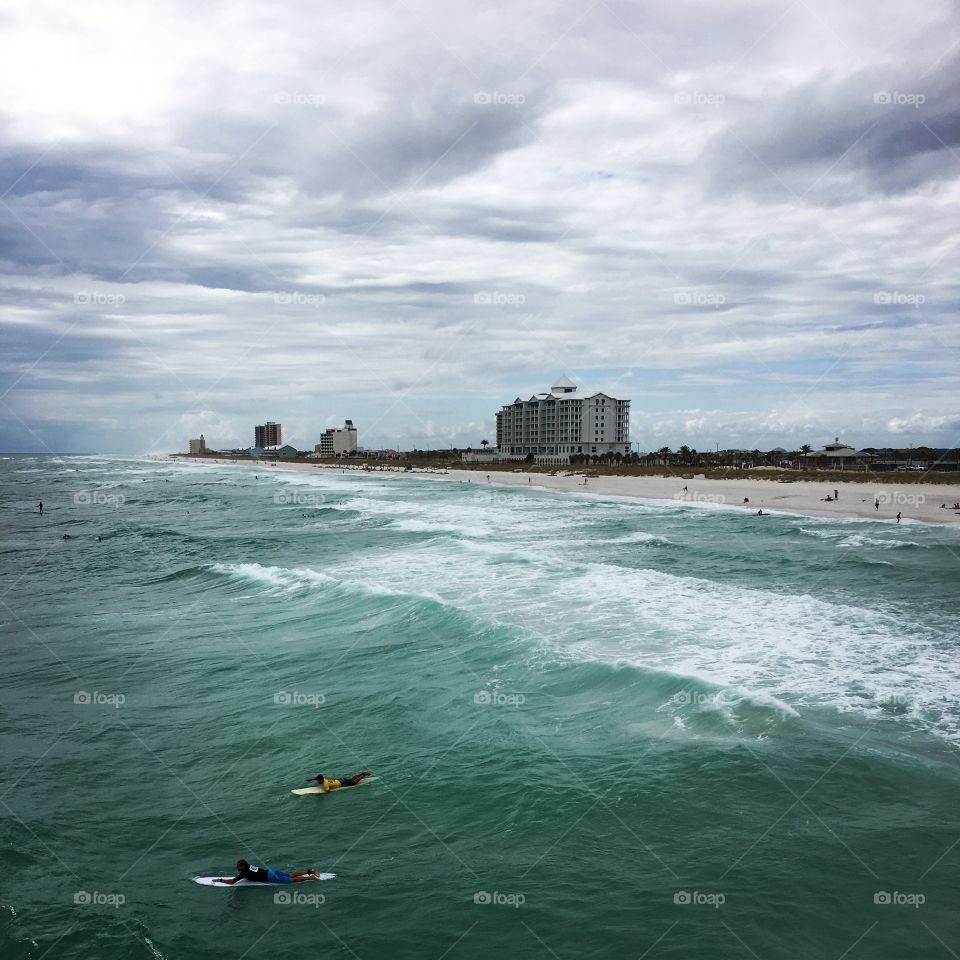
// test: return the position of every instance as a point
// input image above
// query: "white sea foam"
(822, 534)
(293, 579)
(640, 536)
(153, 949)
(519, 559)
(414, 525)
(764, 643)
(861, 540)
(480, 514)
(844, 538)
(279, 579)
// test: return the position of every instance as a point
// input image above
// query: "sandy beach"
(916, 502)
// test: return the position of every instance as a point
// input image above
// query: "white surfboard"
(308, 791)
(211, 882)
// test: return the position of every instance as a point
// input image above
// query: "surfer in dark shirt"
(253, 874)
(336, 783)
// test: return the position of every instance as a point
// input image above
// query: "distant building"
(566, 421)
(198, 446)
(269, 434)
(489, 455)
(338, 441)
(285, 452)
(924, 458)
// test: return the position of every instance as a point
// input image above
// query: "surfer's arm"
(230, 882)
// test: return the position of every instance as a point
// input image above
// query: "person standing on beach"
(41, 508)
(876, 504)
(836, 495)
(898, 516)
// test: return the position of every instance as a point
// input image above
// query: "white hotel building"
(566, 421)
(338, 441)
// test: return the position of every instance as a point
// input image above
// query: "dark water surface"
(601, 728)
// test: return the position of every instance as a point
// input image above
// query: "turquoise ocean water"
(601, 728)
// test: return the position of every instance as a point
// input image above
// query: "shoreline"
(917, 502)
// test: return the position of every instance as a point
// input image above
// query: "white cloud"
(299, 205)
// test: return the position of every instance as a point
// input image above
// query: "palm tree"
(484, 444)
(805, 450)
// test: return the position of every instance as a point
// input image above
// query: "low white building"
(566, 421)
(481, 456)
(338, 441)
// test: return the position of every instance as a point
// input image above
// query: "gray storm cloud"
(411, 213)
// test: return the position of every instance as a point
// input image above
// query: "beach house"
(837, 456)
(285, 452)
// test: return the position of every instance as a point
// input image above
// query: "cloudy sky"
(742, 216)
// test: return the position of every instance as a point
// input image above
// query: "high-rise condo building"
(269, 434)
(566, 421)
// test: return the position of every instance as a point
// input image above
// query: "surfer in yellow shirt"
(337, 782)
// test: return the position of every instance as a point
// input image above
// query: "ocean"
(601, 727)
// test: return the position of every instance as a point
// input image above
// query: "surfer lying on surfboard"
(338, 782)
(268, 875)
